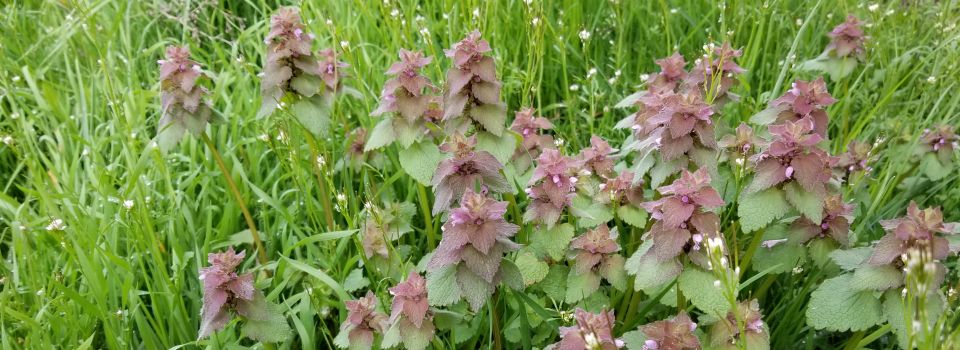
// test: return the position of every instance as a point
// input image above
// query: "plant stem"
(427, 217)
(258, 244)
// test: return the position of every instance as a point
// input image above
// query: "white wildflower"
(584, 35)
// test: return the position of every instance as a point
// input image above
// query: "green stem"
(427, 217)
(258, 244)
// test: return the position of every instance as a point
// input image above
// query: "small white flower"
(644, 77)
(16, 78)
(612, 80)
(673, 10)
(873, 7)
(797, 270)
(424, 31)
(799, 22)
(476, 13)
(7, 140)
(56, 225)
(345, 44)
(341, 197)
(617, 73)
(932, 79)
(591, 72)
(584, 35)
(535, 21)
(574, 87)
(716, 283)
(321, 161)
(329, 22)
(40, 293)
(558, 142)
(394, 13)
(128, 204)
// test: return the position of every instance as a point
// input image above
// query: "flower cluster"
(291, 66)
(917, 230)
(385, 224)
(672, 334)
(592, 331)
(363, 322)
(595, 254)
(552, 187)
(941, 140)
(410, 312)
(622, 190)
(404, 94)
(530, 128)
(855, 159)
(715, 73)
(686, 125)
(671, 74)
(472, 88)
(804, 99)
(847, 39)
(466, 169)
(835, 223)
(475, 239)
(742, 142)
(726, 333)
(597, 159)
(682, 221)
(793, 155)
(181, 98)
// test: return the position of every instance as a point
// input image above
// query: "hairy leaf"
(420, 161)
(837, 306)
(758, 209)
(698, 286)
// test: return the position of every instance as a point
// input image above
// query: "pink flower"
(682, 223)
(793, 156)
(465, 170)
(686, 121)
(672, 334)
(552, 187)
(530, 127)
(917, 230)
(363, 322)
(597, 158)
(181, 99)
(671, 74)
(941, 140)
(856, 158)
(330, 68)
(593, 247)
(223, 290)
(847, 39)
(472, 88)
(622, 190)
(592, 331)
(410, 300)
(404, 92)
(743, 142)
(805, 99)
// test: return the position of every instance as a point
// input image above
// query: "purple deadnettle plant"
(595, 256)
(181, 98)
(597, 159)
(473, 91)
(675, 333)
(686, 124)
(845, 50)
(917, 230)
(936, 150)
(530, 128)
(672, 72)
(475, 239)
(835, 223)
(225, 292)
(682, 221)
(715, 73)
(804, 99)
(466, 169)
(403, 95)
(410, 317)
(742, 142)
(592, 331)
(292, 73)
(855, 160)
(551, 188)
(363, 323)
(793, 156)
(727, 333)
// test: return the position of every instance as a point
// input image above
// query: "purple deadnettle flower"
(805, 99)
(529, 127)
(594, 248)
(475, 238)
(592, 331)
(835, 224)
(940, 140)
(291, 66)
(411, 311)
(598, 157)
(223, 290)
(403, 93)
(847, 39)
(682, 223)
(181, 99)
(719, 64)
(622, 190)
(917, 230)
(743, 142)
(472, 87)
(467, 169)
(856, 158)
(672, 334)
(363, 322)
(552, 187)
(725, 334)
(792, 155)
(672, 72)
(686, 121)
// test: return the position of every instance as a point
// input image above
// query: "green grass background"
(79, 99)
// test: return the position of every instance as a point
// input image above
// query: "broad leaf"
(442, 288)
(381, 135)
(581, 285)
(552, 242)
(880, 277)
(758, 209)
(421, 160)
(836, 306)
(313, 114)
(532, 269)
(698, 286)
(501, 147)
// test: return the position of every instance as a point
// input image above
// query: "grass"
(79, 101)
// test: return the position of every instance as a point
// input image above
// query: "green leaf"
(581, 285)
(633, 216)
(554, 285)
(931, 166)
(391, 337)
(421, 160)
(613, 271)
(552, 242)
(631, 100)
(313, 114)
(820, 249)
(320, 275)
(381, 135)
(807, 203)
(416, 338)
(758, 209)
(355, 281)
(491, 117)
(836, 306)
(590, 212)
(766, 116)
(532, 269)
(170, 135)
(634, 339)
(893, 312)
(442, 287)
(698, 286)
(850, 259)
(306, 84)
(782, 257)
(501, 147)
(263, 321)
(880, 277)
(406, 133)
(660, 172)
(510, 275)
(648, 271)
(473, 288)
